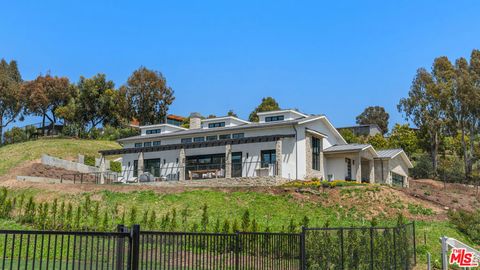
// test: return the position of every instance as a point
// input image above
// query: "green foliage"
(348, 135)
(89, 160)
(116, 166)
(15, 135)
(10, 97)
(378, 141)
(402, 136)
(417, 209)
(267, 104)
(423, 167)
(205, 219)
(468, 223)
(374, 115)
(246, 221)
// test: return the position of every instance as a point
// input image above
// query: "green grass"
(14, 155)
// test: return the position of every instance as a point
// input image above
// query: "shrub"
(467, 222)
(116, 166)
(451, 169)
(90, 161)
(423, 167)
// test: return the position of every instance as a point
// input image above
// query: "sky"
(333, 58)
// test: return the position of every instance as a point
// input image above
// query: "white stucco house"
(285, 143)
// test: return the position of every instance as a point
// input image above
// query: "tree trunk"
(471, 157)
(43, 125)
(1, 129)
(465, 151)
(435, 154)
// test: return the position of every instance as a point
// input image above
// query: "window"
(316, 145)
(274, 118)
(225, 136)
(135, 168)
(147, 144)
(156, 143)
(199, 139)
(237, 135)
(212, 138)
(174, 122)
(216, 125)
(397, 179)
(139, 144)
(154, 131)
(268, 157)
(186, 140)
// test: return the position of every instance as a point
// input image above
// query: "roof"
(175, 117)
(225, 118)
(389, 153)
(192, 132)
(359, 126)
(282, 111)
(346, 147)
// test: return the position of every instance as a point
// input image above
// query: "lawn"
(14, 155)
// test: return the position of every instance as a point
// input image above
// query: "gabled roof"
(220, 118)
(193, 132)
(392, 153)
(352, 147)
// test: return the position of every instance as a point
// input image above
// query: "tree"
(374, 115)
(149, 96)
(402, 136)
(98, 102)
(377, 141)
(425, 104)
(267, 104)
(10, 105)
(45, 94)
(232, 113)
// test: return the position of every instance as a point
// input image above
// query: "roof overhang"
(316, 133)
(366, 148)
(402, 154)
(257, 139)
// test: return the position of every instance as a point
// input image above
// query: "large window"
(316, 145)
(397, 179)
(216, 125)
(156, 143)
(154, 131)
(212, 138)
(238, 135)
(147, 144)
(274, 118)
(186, 140)
(138, 145)
(199, 139)
(268, 157)
(225, 136)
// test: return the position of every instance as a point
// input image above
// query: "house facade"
(285, 144)
(363, 130)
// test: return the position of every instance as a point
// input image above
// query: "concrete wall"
(67, 165)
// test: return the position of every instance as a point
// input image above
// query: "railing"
(313, 248)
(171, 172)
(64, 250)
(92, 178)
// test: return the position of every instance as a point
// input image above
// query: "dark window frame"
(147, 144)
(274, 118)
(316, 149)
(216, 125)
(211, 138)
(156, 143)
(153, 131)
(186, 140)
(225, 136)
(238, 135)
(272, 157)
(198, 139)
(138, 145)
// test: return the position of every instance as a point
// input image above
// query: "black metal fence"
(313, 248)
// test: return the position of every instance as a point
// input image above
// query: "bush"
(15, 135)
(90, 161)
(451, 169)
(467, 222)
(423, 167)
(116, 166)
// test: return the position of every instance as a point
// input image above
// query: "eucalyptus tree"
(10, 105)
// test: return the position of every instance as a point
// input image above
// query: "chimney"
(195, 120)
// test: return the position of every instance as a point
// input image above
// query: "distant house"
(287, 144)
(363, 130)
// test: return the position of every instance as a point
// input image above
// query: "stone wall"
(67, 165)
(223, 182)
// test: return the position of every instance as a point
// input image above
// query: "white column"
(140, 164)
(102, 169)
(278, 155)
(372, 171)
(358, 166)
(228, 161)
(181, 165)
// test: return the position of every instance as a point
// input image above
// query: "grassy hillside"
(16, 154)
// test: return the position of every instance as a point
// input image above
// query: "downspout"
(383, 179)
(296, 152)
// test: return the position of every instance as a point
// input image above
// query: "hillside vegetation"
(15, 155)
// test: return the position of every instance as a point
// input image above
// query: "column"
(228, 161)
(278, 156)
(372, 171)
(102, 169)
(140, 165)
(358, 166)
(181, 164)
(322, 169)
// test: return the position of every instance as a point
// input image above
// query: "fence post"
(237, 250)
(135, 236)
(414, 245)
(371, 248)
(120, 248)
(303, 258)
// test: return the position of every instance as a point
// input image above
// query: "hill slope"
(15, 155)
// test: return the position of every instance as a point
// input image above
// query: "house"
(363, 130)
(286, 144)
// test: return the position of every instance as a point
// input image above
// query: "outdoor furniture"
(203, 172)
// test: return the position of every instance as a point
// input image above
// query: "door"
(349, 169)
(237, 164)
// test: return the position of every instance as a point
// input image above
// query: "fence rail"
(313, 248)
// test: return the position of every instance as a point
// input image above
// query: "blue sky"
(335, 57)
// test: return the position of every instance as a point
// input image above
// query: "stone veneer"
(308, 146)
(222, 182)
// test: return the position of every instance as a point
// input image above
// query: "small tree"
(204, 222)
(246, 221)
(226, 226)
(374, 115)
(133, 216)
(267, 104)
